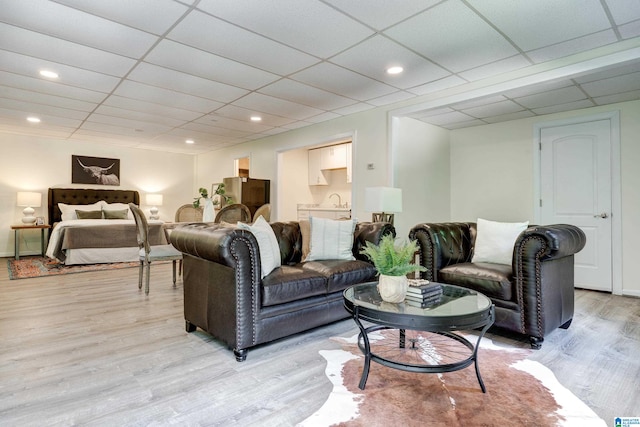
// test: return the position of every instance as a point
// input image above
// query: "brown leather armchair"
(532, 296)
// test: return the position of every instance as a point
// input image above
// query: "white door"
(575, 188)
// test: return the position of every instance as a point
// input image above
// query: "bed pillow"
(305, 231)
(118, 207)
(116, 214)
(267, 243)
(68, 212)
(331, 239)
(495, 241)
(88, 214)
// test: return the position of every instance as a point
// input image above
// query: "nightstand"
(16, 228)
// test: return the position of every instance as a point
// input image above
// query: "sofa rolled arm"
(443, 244)
(549, 242)
(369, 232)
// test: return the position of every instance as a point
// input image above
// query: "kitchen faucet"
(339, 205)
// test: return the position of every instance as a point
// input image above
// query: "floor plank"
(90, 348)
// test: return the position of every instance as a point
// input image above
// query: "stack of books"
(423, 294)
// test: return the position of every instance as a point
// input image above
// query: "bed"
(91, 239)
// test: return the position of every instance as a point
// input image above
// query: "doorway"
(578, 163)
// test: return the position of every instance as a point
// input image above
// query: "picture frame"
(39, 220)
(95, 170)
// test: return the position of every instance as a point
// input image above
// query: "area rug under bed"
(29, 267)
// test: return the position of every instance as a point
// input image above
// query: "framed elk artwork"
(95, 170)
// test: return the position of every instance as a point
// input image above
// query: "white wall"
(421, 169)
(492, 176)
(35, 164)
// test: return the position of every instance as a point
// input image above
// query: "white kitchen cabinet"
(334, 157)
(316, 176)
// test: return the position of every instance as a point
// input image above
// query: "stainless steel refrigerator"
(251, 192)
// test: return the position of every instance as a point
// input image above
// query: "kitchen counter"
(332, 212)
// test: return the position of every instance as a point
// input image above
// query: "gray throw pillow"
(88, 214)
(116, 214)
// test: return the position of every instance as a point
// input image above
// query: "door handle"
(602, 215)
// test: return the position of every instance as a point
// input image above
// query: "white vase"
(393, 288)
(208, 213)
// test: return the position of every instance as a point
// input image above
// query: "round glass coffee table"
(411, 338)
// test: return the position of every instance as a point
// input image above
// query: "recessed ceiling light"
(33, 119)
(395, 70)
(190, 141)
(256, 118)
(49, 74)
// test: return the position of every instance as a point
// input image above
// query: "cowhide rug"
(520, 392)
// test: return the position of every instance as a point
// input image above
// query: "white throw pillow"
(117, 207)
(495, 241)
(331, 239)
(267, 243)
(68, 212)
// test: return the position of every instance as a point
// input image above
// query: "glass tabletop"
(455, 301)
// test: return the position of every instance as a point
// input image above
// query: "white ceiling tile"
(221, 38)
(207, 65)
(117, 128)
(214, 130)
(37, 98)
(308, 25)
(465, 124)
(47, 87)
(41, 110)
(534, 24)
(344, 82)
(391, 98)
(69, 76)
(511, 116)
(630, 30)
(77, 27)
(553, 97)
(557, 108)
(226, 122)
(353, 109)
(478, 102)
(453, 36)
(495, 109)
(13, 109)
(30, 43)
(279, 107)
(323, 117)
(378, 14)
(613, 85)
(619, 97)
(438, 85)
(156, 95)
(624, 11)
(186, 83)
(570, 47)
(419, 115)
(143, 129)
(239, 113)
(154, 16)
(607, 72)
(307, 95)
(107, 110)
(502, 66)
(151, 108)
(373, 56)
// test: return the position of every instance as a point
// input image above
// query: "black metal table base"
(369, 355)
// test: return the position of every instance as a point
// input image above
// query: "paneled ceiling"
(154, 73)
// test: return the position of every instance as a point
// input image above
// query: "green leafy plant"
(391, 259)
(204, 194)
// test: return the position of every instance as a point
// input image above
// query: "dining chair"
(265, 211)
(150, 253)
(187, 213)
(234, 213)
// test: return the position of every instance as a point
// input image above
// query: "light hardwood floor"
(90, 349)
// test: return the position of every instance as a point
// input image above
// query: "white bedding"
(92, 255)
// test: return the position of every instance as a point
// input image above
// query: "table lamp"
(154, 200)
(30, 200)
(383, 202)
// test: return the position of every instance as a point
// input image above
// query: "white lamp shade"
(154, 199)
(29, 199)
(383, 199)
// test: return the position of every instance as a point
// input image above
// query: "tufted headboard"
(86, 196)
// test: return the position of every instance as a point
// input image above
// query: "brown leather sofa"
(224, 295)
(533, 296)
